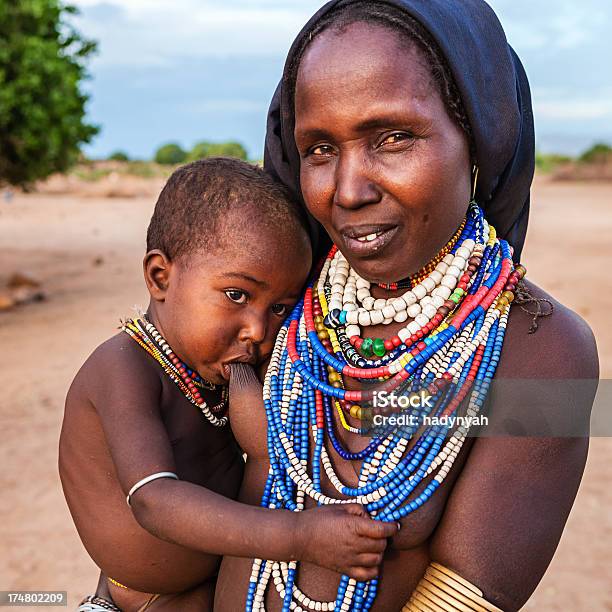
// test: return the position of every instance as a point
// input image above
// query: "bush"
(547, 162)
(598, 153)
(199, 151)
(42, 109)
(217, 149)
(170, 154)
(119, 156)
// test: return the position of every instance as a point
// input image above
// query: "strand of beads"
(444, 286)
(427, 268)
(451, 359)
(148, 337)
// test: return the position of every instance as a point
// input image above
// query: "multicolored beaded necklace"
(189, 382)
(411, 281)
(448, 351)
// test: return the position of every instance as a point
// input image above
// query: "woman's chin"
(382, 268)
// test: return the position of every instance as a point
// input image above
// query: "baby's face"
(229, 305)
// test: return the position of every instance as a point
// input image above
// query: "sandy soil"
(87, 252)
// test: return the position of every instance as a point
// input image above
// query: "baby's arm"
(127, 395)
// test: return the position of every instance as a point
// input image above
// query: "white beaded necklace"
(378, 486)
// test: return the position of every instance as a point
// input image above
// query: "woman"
(390, 118)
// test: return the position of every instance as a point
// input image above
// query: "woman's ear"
(157, 266)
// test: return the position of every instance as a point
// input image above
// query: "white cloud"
(563, 24)
(562, 104)
(156, 32)
(574, 109)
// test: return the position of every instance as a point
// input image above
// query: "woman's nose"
(354, 185)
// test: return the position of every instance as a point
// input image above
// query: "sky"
(190, 70)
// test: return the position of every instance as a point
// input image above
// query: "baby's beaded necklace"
(189, 382)
(449, 352)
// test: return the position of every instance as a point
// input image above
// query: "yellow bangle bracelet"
(442, 590)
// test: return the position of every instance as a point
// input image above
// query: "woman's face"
(383, 167)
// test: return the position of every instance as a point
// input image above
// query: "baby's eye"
(280, 309)
(236, 295)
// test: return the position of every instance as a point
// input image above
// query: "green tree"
(599, 152)
(42, 108)
(170, 154)
(547, 162)
(217, 149)
(119, 156)
(200, 150)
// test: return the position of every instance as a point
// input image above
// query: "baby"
(146, 417)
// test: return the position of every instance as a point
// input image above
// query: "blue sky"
(189, 70)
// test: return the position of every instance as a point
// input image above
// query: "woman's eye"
(396, 138)
(322, 149)
(280, 309)
(240, 297)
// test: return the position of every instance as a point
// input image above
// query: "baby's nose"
(254, 329)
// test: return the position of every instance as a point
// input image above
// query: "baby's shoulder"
(119, 362)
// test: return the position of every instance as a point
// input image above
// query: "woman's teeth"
(369, 237)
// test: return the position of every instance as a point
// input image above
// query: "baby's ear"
(156, 267)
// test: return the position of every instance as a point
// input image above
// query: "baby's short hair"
(190, 210)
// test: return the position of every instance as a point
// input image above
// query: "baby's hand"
(343, 538)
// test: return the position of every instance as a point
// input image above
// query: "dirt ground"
(86, 251)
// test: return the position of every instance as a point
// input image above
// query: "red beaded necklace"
(146, 335)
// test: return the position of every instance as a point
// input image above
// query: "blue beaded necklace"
(454, 363)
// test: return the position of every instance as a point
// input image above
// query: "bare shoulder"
(516, 488)
(546, 380)
(563, 346)
(118, 361)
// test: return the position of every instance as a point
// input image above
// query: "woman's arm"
(506, 513)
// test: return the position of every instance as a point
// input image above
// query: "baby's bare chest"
(204, 454)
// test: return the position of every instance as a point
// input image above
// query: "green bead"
(460, 292)
(366, 347)
(379, 347)
(454, 298)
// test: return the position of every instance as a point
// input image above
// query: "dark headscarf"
(495, 93)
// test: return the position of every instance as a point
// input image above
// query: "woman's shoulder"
(547, 379)
(557, 345)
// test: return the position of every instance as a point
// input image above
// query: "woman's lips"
(368, 242)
